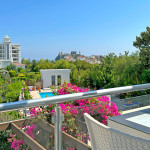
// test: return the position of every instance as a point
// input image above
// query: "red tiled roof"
(81, 56)
(19, 64)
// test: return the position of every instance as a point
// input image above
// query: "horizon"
(45, 28)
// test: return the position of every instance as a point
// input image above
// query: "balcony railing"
(15, 51)
(15, 56)
(57, 119)
(14, 48)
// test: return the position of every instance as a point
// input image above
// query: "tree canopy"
(143, 44)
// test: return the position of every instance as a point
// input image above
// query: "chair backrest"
(104, 138)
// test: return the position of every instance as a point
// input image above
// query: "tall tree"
(143, 44)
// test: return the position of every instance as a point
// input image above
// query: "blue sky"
(46, 27)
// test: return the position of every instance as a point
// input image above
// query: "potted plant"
(33, 89)
(95, 88)
(38, 85)
(39, 88)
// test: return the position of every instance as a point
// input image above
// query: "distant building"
(98, 57)
(56, 77)
(72, 59)
(89, 61)
(19, 65)
(5, 73)
(73, 56)
(69, 58)
(9, 53)
(81, 57)
(73, 52)
(62, 55)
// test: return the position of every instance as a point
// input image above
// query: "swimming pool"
(46, 94)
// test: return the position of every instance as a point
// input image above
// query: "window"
(59, 80)
(53, 80)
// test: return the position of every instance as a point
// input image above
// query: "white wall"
(4, 64)
(22, 66)
(46, 76)
(13, 52)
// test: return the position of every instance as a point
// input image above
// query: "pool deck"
(36, 95)
(136, 109)
(134, 122)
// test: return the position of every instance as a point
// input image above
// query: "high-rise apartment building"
(9, 53)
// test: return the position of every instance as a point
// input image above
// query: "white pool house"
(55, 77)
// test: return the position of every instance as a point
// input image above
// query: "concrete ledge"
(136, 109)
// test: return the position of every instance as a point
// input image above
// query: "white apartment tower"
(9, 53)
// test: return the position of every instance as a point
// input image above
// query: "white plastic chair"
(103, 137)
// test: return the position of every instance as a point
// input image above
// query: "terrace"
(47, 125)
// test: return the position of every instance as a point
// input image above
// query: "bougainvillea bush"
(17, 143)
(98, 107)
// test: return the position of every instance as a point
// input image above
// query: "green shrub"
(1, 100)
(13, 91)
(12, 73)
(4, 145)
(27, 95)
(18, 78)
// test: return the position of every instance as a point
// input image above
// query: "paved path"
(35, 94)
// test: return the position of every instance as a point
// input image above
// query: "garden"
(74, 126)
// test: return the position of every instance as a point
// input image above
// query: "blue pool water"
(46, 94)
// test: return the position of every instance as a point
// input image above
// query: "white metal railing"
(58, 118)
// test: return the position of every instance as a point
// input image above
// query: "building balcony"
(15, 59)
(15, 52)
(14, 48)
(43, 130)
(15, 56)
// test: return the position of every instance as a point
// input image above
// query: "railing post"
(57, 120)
